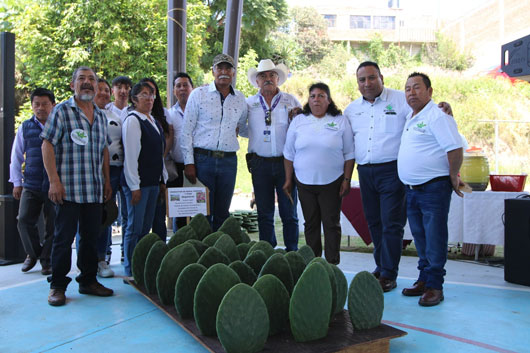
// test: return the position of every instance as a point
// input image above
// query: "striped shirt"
(78, 150)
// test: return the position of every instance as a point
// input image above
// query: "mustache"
(87, 86)
(224, 76)
(268, 83)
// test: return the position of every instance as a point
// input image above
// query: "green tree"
(445, 54)
(260, 17)
(115, 38)
(390, 55)
(311, 35)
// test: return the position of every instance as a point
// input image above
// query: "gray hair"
(82, 68)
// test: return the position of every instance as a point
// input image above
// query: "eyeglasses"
(146, 96)
(268, 119)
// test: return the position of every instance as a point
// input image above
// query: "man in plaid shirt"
(76, 159)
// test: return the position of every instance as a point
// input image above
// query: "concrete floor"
(481, 313)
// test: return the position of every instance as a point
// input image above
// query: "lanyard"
(268, 112)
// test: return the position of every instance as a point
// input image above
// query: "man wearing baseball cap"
(268, 121)
(209, 137)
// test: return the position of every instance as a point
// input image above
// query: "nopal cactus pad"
(276, 298)
(342, 288)
(278, 266)
(365, 301)
(307, 253)
(227, 247)
(264, 246)
(185, 289)
(331, 276)
(296, 263)
(256, 260)
(201, 225)
(242, 320)
(172, 264)
(245, 272)
(213, 256)
(141, 250)
(212, 238)
(310, 306)
(152, 264)
(243, 250)
(232, 227)
(212, 287)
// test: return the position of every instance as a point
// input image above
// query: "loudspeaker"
(517, 241)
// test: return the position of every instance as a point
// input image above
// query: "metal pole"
(496, 147)
(11, 250)
(176, 44)
(7, 106)
(234, 10)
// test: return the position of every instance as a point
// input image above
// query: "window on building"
(360, 21)
(384, 22)
(331, 19)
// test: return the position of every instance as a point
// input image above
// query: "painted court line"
(451, 337)
(119, 322)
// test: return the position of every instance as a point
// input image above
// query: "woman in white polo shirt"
(319, 150)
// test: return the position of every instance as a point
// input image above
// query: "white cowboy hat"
(268, 65)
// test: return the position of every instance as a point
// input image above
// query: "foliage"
(390, 55)
(249, 60)
(123, 37)
(445, 54)
(310, 31)
(259, 17)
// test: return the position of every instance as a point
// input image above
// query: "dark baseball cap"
(223, 58)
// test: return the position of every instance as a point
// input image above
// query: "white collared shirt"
(120, 113)
(268, 141)
(426, 139)
(318, 147)
(176, 118)
(209, 124)
(132, 135)
(377, 126)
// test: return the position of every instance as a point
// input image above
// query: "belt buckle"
(218, 154)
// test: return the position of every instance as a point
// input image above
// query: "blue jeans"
(139, 221)
(384, 205)
(219, 175)
(68, 216)
(427, 210)
(268, 178)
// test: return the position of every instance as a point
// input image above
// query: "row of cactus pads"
(245, 291)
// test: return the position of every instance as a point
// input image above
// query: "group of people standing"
(408, 153)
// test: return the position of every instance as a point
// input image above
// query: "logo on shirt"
(79, 137)
(389, 110)
(255, 105)
(332, 126)
(420, 127)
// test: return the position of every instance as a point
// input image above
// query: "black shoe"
(29, 263)
(387, 284)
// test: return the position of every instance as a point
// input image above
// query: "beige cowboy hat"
(268, 65)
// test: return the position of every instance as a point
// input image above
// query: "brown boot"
(56, 297)
(416, 290)
(28, 263)
(387, 284)
(95, 288)
(431, 297)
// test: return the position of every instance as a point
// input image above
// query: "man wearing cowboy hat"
(268, 120)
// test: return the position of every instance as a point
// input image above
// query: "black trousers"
(321, 205)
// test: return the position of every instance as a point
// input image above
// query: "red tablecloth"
(353, 210)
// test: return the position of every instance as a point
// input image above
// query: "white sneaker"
(104, 270)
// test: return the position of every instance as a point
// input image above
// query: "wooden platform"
(340, 338)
